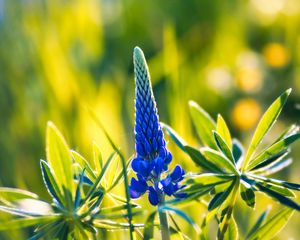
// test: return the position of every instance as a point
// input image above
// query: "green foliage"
(230, 171)
(77, 192)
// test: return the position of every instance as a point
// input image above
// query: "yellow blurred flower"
(245, 113)
(249, 79)
(276, 55)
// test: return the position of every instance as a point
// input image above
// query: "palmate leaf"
(60, 160)
(123, 161)
(204, 124)
(223, 131)
(274, 149)
(266, 122)
(218, 159)
(273, 226)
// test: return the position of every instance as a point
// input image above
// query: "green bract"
(230, 170)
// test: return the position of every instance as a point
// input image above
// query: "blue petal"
(177, 174)
(140, 149)
(158, 165)
(153, 196)
(163, 152)
(135, 164)
(169, 157)
(134, 194)
(145, 168)
(139, 186)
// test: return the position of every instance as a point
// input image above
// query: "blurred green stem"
(164, 226)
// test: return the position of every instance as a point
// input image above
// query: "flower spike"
(152, 156)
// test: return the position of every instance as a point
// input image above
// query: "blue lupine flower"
(152, 156)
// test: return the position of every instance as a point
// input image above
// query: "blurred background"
(58, 57)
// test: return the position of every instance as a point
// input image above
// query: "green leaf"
(273, 226)
(209, 178)
(247, 194)
(26, 222)
(179, 213)
(277, 196)
(149, 226)
(201, 161)
(10, 195)
(274, 167)
(265, 124)
(259, 222)
(51, 183)
(218, 159)
(84, 164)
(99, 178)
(223, 131)
(180, 142)
(98, 162)
(232, 231)
(274, 149)
(222, 145)
(204, 124)
(220, 198)
(237, 151)
(59, 158)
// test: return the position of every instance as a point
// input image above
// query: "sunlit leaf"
(279, 197)
(218, 159)
(274, 149)
(223, 130)
(97, 156)
(51, 183)
(220, 198)
(84, 164)
(26, 222)
(222, 145)
(232, 231)
(201, 161)
(259, 222)
(59, 158)
(266, 122)
(204, 124)
(273, 226)
(10, 195)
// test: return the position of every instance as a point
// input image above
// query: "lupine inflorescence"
(152, 156)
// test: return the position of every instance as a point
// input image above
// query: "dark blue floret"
(152, 157)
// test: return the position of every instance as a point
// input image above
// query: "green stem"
(164, 226)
